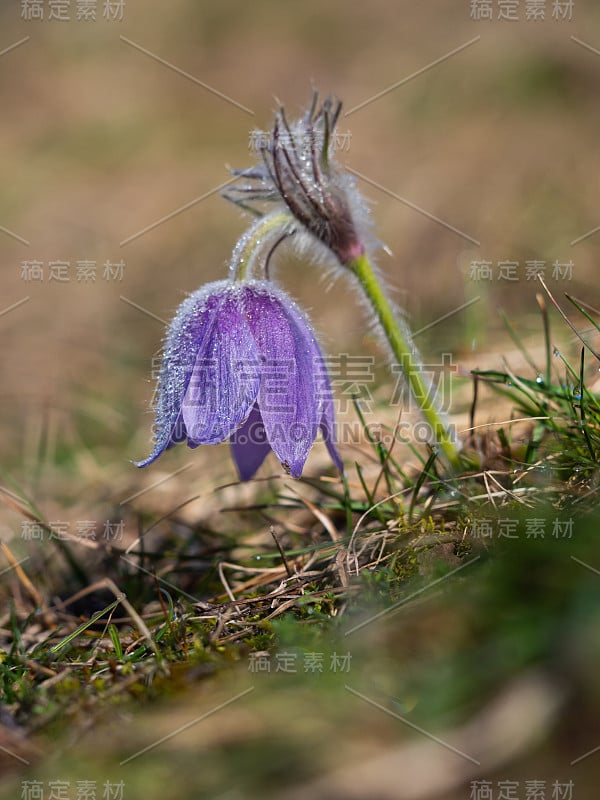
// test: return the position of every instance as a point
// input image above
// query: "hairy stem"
(404, 352)
(259, 239)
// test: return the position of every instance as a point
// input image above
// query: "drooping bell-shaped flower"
(241, 363)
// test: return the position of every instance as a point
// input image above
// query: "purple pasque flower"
(299, 170)
(241, 362)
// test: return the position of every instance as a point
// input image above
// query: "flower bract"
(299, 172)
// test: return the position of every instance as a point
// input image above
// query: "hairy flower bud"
(299, 171)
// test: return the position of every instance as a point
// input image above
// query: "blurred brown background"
(99, 141)
(484, 149)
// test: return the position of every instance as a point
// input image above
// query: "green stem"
(255, 240)
(404, 352)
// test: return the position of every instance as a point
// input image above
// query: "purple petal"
(225, 379)
(249, 445)
(328, 427)
(185, 336)
(288, 394)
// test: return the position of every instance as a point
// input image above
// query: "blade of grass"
(579, 306)
(85, 625)
(116, 641)
(582, 407)
(566, 319)
(543, 306)
(420, 481)
(517, 341)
